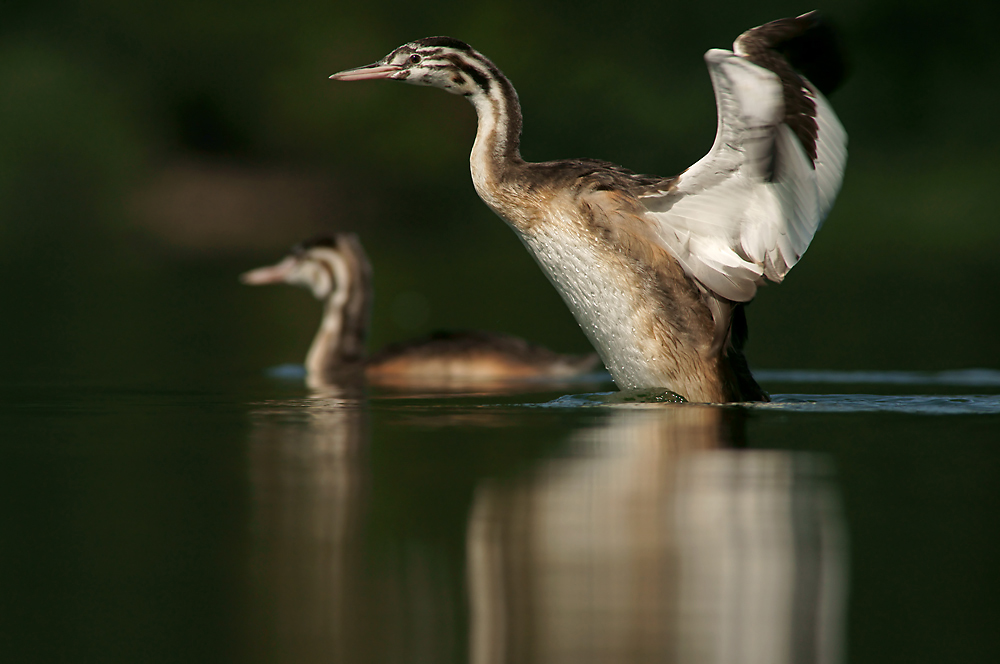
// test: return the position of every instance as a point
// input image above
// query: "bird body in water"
(657, 270)
(338, 272)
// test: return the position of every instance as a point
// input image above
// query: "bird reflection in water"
(644, 537)
(656, 544)
(309, 489)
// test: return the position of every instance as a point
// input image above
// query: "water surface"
(851, 519)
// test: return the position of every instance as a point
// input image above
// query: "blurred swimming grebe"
(338, 272)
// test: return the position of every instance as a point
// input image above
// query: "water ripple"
(958, 377)
(924, 404)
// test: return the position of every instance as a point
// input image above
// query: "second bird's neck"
(339, 345)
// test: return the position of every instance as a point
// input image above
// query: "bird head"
(440, 62)
(319, 264)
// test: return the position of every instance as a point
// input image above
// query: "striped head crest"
(440, 62)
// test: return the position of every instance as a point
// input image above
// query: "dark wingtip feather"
(817, 53)
(808, 43)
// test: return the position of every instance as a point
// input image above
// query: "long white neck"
(498, 137)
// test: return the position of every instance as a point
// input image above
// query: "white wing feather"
(750, 207)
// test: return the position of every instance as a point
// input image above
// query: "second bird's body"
(337, 271)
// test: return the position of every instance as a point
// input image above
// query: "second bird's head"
(325, 265)
(440, 62)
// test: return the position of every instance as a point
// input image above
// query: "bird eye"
(414, 59)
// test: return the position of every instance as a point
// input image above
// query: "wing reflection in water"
(467, 535)
(653, 544)
(762, 559)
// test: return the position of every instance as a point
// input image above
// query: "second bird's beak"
(368, 72)
(272, 274)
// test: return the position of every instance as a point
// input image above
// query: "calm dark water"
(163, 500)
(853, 519)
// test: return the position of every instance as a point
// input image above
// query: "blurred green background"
(150, 153)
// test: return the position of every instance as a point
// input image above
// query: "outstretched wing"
(750, 207)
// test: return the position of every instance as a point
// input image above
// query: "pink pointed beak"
(272, 274)
(368, 72)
